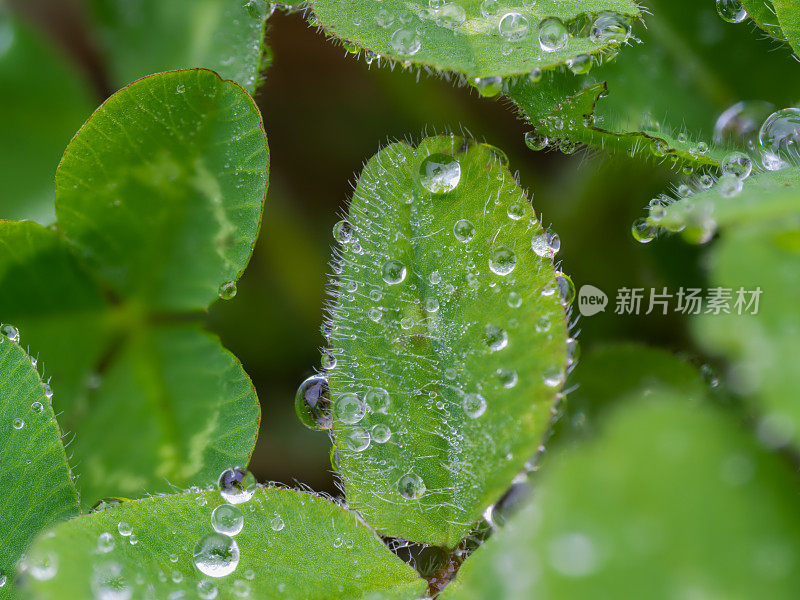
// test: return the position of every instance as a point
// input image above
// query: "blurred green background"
(326, 113)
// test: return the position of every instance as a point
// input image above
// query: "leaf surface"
(36, 485)
(464, 37)
(788, 13)
(161, 192)
(463, 351)
(660, 506)
(149, 36)
(292, 545)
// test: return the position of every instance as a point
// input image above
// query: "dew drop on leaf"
(502, 261)
(513, 27)
(474, 405)
(780, 137)
(342, 232)
(406, 42)
(206, 589)
(496, 337)
(377, 400)
(610, 28)
(237, 485)
(357, 439)
(731, 11)
(737, 164)
(553, 35)
(350, 409)
(227, 519)
(228, 290)
(566, 288)
(440, 173)
(464, 230)
(411, 486)
(108, 583)
(312, 403)
(381, 433)
(393, 272)
(11, 332)
(536, 142)
(216, 555)
(643, 232)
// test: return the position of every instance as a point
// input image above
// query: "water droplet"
(451, 15)
(377, 399)
(227, 519)
(37, 407)
(516, 210)
(737, 164)
(393, 271)
(488, 87)
(105, 504)
(207, 590)
(11, 332)
(406, 42)
(780, 136)
(581, 64)
(343, 232)
(740, 123)
(228, 290)
(643, 232)
(729, 185)
(474, 405)
(411, 486)
(42, 566)
(277, 523)
(553, 35)
(503, 261)
(439, 173)
(546, 244)
(610, 28)
(553, 377)
(431, 305)
(513, 27)
(508, 377)
(236, 485)
(108, 583)
(731, 11)
(566, 288)
(328, 361)
(384, 18)
(495, 337)
(536, 142)
(543, 324)
(106, 542)
(350, 409)
(357, 439)
(312, 403)
(464, 230)
(124, 529)
(381, 433)
(216, 555)
(514, 300)
(490, 8)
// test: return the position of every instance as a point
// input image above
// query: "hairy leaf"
(471, 359)
(763, 256)
(150, 36)
(36, 485)
(661, 506)
(161, 192)
(469, 37)
(788, 13)
(763, 13)
(764, 196)
(43, 101)
(292, 545)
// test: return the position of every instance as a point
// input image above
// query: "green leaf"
(458, 37)
(608, 374)
(161, 192)
(452, 334)
(763, 13)
(788, 14)
(764, 196)
(292, 545)
(57, 308)
(34, 128)
(36, 485)
(182, 410)
(148, 36)
(673, 501)
(760, 347)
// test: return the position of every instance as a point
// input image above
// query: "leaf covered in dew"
(482, 40)
(277, 543)
(660, 504)
(449, 333)
(36, 485)
(150, 36)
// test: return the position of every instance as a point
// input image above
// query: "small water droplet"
(216, 555)
(227, 291)
(11, 332)
(227, 519)
(495, 337)
(236, 485)
(731, 11)
(553, 35)
(440, 173)
(464, 230)
(393, 272)
(513, 27)
(350, 409)
(474, 405)
(381, 433)
(411, 486)
(737, 164)
(502, 261)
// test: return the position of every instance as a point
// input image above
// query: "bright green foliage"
(761, 347)
(458, 36)
(674, 501)
(36, 485)
(292, 545)
(160, 195)
(764, 196)
(609, 374)
(568, 121)
(763, 13)
(162, 190)
(788, 13)
(30, 144)
(451, 335)
(149, 36)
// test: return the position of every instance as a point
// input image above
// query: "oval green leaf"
(292, 545)
(162, 190)
(442, 302)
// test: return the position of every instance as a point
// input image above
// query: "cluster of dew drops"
(11, 333)
(439, 174)
(215, 555)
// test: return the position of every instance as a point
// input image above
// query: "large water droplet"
(464, 230)
(439, 173)
(237, 485)
(228, 290)
(216, 555)
(535, 141)
(737, 164)
(643, 232)
(495, 337)
(312, 403)
(780, 137)
(513, 27)
(227, 519)
(502, 261)
(566, 288)
(357, 439)
(350, 409)
(343, 232)
(610, 28)
(393, 271)
(451, 15)
(381, 433)
(740, 123)
(731, 11)
(377, 400)
(411, 486)
(406, 42)
(553, 35)
(474, 405)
